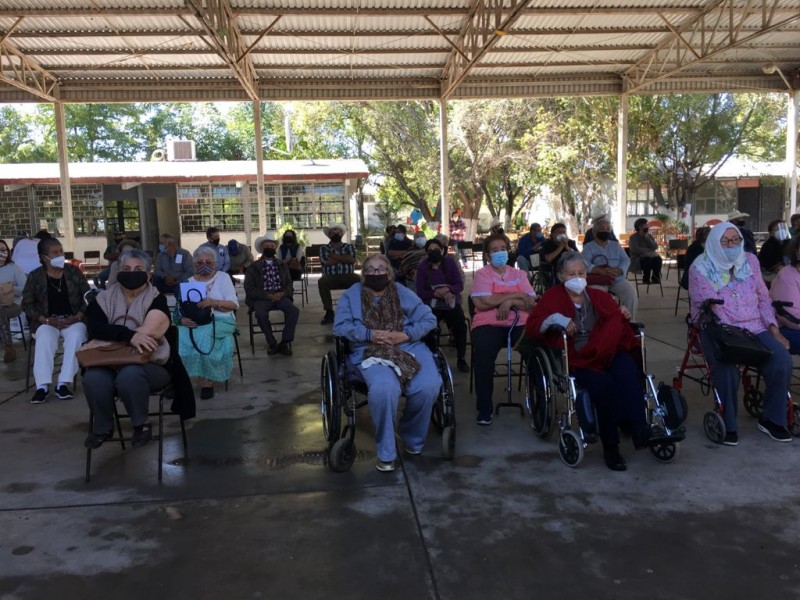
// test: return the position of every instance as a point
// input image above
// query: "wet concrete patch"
(20, 487)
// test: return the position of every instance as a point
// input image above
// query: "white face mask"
(576, 285)
(58, 262)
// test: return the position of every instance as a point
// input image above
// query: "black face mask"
(268, 253)
(288, 241)
(603, 236)
(336, 238)
(132, 280)
(377, 283)
(739, 223)
(435, 256)
(215, 241)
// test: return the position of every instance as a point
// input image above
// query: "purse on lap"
(736, 346)
(111, 354)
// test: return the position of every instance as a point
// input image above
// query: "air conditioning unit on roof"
(180, 150)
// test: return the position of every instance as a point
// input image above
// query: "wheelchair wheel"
(342, 455)
(449, 442)
(330, 405)
(753, 402)
(714, 427)
(795, 428)
(570, 448)
(665, 453)
(541, 405)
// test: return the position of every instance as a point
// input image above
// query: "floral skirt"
(217, 365)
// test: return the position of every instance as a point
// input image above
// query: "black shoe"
(328, 318)
(645, 281)
(614, 460)
(39, 396)
(285, 348)
(206, 393)
(462, 366)
(776, 432)
(731, 439)
(273, 349)
(142, 434)
(656, 279)
(94, 440)
(63, 393)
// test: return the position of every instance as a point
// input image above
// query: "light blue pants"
(384, 396)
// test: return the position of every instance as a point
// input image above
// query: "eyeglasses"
(379, 271)
(730, 242)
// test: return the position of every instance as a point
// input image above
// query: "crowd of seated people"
(385, 321)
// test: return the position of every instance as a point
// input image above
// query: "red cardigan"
(611, 332)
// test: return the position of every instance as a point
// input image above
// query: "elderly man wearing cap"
(338, 270)
(268, 286)
(738, 217)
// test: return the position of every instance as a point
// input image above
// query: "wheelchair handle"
(780, 309)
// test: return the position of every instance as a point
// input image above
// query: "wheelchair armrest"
(431, 339)
(342, 345)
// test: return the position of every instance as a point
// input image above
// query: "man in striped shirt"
(338, 268)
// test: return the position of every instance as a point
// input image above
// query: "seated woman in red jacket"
(600, 341)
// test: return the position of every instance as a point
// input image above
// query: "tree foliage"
(501, 153)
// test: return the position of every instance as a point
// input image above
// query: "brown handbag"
(111, 354)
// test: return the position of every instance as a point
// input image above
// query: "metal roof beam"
(333, 11)
(487, 22)
(217, 18)
(718, 28)
(18, 70)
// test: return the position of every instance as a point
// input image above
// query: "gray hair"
(378, 258)
(568, 257)
(600, 221)
(205, 251)
(136, 254)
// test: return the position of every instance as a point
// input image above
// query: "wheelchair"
(341, 386)
(751, 378)
(550, 377)
(695, 368)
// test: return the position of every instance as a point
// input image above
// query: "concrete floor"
(255, 513)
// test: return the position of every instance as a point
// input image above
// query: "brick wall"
(15, 214)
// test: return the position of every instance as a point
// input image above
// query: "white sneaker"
(385, 466)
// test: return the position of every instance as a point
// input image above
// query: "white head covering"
(341, 226)
(715, 265)
(260, 241)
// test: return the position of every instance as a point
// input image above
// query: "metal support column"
(444, 168)
(262, 203)
(791, 149)
(63, 169)
(620, 216)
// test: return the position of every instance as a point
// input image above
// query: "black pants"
(456, 325)
(651, 265)
(487, 341)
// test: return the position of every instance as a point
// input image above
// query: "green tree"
(679, 142)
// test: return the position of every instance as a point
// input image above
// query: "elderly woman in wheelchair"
(598, 372)
(384, 325)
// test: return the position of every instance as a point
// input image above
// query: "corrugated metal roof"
(373, 48)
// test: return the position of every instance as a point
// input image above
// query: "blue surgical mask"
(731, 254)
(399, 236)
(499, 258)
(162, 248)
